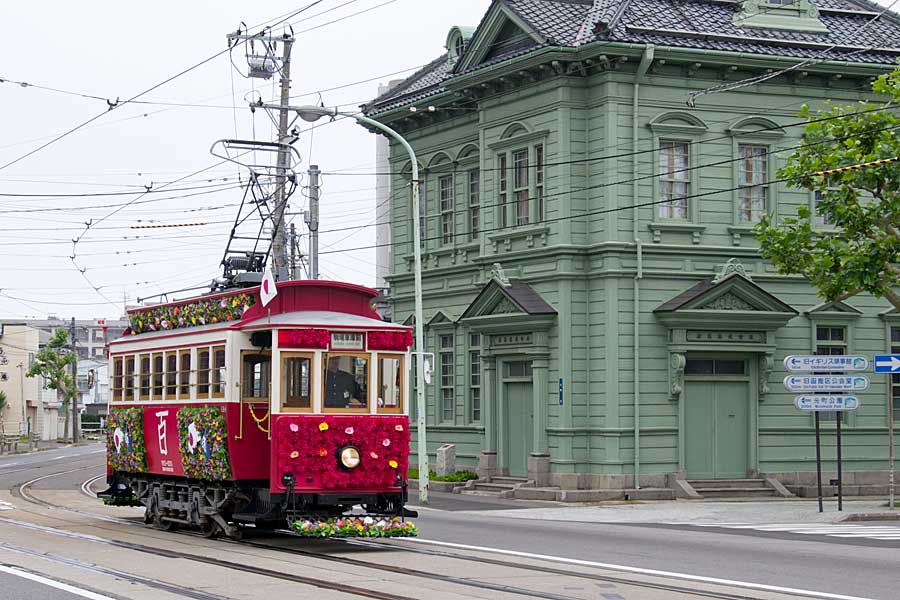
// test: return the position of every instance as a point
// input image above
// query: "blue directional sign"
(825, 363)
(826, 383)
(887, 363)
(840, 403)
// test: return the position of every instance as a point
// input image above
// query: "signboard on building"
(887, 363)
(830, 403)
(826, 383)
(826, 363)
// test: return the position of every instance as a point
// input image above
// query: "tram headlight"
(349, 457)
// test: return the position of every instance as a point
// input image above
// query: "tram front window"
(346, 382)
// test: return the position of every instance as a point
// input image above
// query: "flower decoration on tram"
(125, 448)
(398, 427)
(392, 464)
(355, 527)
(303, 338)
(390, 340)
(349, 431)
(203, 440)
(198, 312)
(323, 426)
(318, 462)
(294, 454)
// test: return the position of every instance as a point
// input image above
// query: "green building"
(594, 294)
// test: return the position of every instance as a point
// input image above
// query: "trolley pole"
(313, 221)
(74, 382)
(890, 403)
(279, 245)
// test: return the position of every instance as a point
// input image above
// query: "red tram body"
(224, 412)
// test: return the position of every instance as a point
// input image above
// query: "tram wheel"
(210, 529)
(163, 525)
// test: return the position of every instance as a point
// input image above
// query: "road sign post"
(825, 396)
(890, 364)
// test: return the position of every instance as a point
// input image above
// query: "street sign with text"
(841, 403)
(825, 363)
(826, 383)
(887, 363)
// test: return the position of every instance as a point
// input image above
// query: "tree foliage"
(858, 250)
(52, 363)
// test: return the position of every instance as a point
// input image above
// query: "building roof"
(525, 297)
(694, 24)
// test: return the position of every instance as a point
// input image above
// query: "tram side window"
(157, 375)
(171, 375)
(129, 379)
(390, 384)
(218, 374)
(184, 375)
(203, 373)
(297, 381)
(118, 375)
(256, 376)
(145, 377)
(346, 382)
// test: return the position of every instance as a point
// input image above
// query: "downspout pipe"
(643, 67)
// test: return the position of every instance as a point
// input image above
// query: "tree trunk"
(65, 407)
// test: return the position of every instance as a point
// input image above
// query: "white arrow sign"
(842, 403)
(826, 383)
(825, 363)
(887, 363)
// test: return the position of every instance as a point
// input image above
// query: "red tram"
(224, 412)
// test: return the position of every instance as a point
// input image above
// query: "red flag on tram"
(267, 291)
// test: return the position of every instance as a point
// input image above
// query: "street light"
(311, 114)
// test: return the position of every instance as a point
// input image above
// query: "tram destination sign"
(826, 383)
(829, 403)
(806, 364)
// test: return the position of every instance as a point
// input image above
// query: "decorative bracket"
(499, 274)
(677, 362)
(731, 267)
(766, 366)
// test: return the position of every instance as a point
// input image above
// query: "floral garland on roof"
(192, 314)
(390, 340)
(203, 440)
(125, 447)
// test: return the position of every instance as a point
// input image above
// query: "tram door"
(518, 407)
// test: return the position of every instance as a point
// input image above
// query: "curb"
(860, 517)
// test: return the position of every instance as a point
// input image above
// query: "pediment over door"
(508, 303)
(734, 302)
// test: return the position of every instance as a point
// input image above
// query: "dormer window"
(789, 15)
(456, 43)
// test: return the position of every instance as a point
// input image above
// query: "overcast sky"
(114, 50)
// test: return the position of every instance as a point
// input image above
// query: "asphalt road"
(16, 585)
(852, 567)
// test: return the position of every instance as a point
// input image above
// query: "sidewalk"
(703, 511)
(44, 445)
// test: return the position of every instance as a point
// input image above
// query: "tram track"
(688, 591)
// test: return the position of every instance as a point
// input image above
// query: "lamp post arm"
(420, 320)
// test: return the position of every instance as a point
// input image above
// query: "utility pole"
(74, 382)
(293, 252)
(313, 221)
(279, 246)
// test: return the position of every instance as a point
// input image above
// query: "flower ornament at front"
(323, 426)
(398, 427)
(373, 455)
(386, 442)
(294, 454)
(349, 431)
(323, 452)
(295, 428)
(392, 464)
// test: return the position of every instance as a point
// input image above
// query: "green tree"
(52, 363)
(2, 408)
(858, 249)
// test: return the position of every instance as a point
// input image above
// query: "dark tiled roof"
(686, 296)
(524, 296)
(700, 24)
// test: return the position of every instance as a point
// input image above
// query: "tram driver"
(341, 387)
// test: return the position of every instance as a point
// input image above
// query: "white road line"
(847, 531)
(640, 571)
(54, 584)
(6, 506)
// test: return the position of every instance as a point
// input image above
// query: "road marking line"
(54, 584)
(6, 506)
(641, 571)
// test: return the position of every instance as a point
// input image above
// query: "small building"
(591, 173)
(30, 408)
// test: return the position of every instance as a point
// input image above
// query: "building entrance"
(717, 418)
(518, 417)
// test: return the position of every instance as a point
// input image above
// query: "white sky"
(115, 50)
